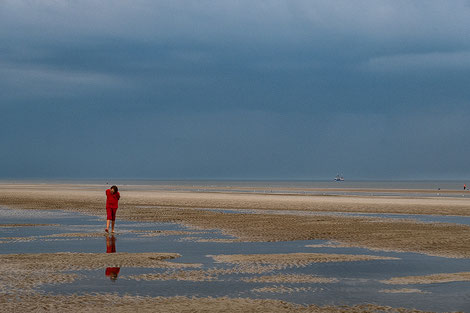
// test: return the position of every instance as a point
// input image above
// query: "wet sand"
(26, 281)
(429, 279)
(290, 278)
(112, 304)
(21, 273)
(439, 239)
(140, 204)
(63, 261)
(190, 208)
(293, 259)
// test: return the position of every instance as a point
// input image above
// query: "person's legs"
(113, 220)
(109, 217)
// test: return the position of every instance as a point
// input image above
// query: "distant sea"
(266, 184)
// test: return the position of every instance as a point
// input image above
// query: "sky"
(294, 89)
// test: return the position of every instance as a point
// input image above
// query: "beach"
(270, 223)
(353, 219)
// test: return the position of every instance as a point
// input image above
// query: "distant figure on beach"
(111, 272)
(112, 198)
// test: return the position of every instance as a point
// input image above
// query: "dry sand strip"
(428, 279)
(110, 303)
(293, 259)
(91, 198)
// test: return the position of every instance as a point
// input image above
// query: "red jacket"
(112, 199)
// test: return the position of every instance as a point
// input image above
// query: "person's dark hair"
(115, 188)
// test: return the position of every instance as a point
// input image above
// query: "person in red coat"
(112, 198)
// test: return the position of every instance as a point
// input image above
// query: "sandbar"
(293, 259)
(65, 261)
(428, 279)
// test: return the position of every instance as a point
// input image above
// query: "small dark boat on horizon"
(339, 178)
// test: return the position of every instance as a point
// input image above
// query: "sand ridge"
(428, 279)
(293, 259)
(66, 261)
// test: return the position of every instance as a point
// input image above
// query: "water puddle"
(198, 271)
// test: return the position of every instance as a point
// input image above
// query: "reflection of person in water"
(111, 272)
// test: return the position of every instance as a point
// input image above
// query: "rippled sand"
(115, 304)
(20, 274)
(63, 261)
(294, 259)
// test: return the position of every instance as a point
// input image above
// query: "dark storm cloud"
(246, 89)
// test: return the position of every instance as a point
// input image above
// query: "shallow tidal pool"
(198, 271)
